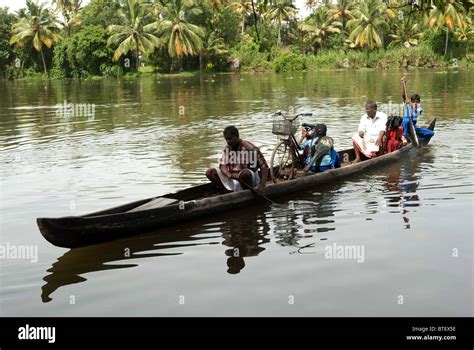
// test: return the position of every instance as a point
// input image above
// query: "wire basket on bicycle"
(286, 158)
(284, 127)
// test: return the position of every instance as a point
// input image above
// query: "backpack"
(322, 148)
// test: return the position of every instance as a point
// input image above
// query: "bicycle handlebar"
(297, 116)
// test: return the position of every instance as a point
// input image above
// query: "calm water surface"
(158, 135)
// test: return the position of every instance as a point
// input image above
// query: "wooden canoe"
(152, 213)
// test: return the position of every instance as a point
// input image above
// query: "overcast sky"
(15, 5)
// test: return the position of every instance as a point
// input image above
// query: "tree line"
(113, 37)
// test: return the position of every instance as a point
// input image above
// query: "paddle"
(278, 205)
(257, 193)
(412, 127)
(324, 144)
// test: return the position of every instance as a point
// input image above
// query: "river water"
(412, 221)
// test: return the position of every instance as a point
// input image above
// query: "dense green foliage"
(84, 53)
(6, 50)
(289, 61)
(116, 37)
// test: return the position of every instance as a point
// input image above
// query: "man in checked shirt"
(239, 165)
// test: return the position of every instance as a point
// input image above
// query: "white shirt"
(373, 127)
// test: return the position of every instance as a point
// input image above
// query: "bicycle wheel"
(282, 163)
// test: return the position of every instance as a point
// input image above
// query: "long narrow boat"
(149, 214)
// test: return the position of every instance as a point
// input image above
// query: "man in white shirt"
(368, 141)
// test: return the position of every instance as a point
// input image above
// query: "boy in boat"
(239, 165)
(413, 110)
(369, 139)
(308, 142)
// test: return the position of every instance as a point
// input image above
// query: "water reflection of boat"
(311, 214)
(70, 267)
(243, 238)
(149, 214)
(402, 183)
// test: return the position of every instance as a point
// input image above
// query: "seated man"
(239, 165)
(369, 140)
(328, 159)
(413, 110)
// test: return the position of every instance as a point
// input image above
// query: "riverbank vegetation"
(112, 38)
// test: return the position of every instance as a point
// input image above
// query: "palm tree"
(135, 35)
(70, 10)
(405, 33)
(310, 4)
(323, 3)
(214, 45)
(343, 11)
(217, 4)
(37, 27)
(368, 25)
(393, 8)
(282, 10)
(65, 6)
(243, 8)
(319, 25)
(183, 37)
(427, 5)
(451, 16)
(466, 32)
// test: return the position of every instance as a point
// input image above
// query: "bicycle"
(286, 157)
